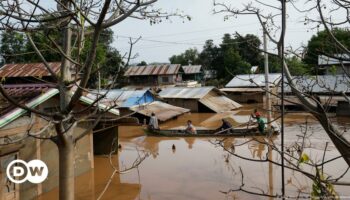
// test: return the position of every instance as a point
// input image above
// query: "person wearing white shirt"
(153, 122)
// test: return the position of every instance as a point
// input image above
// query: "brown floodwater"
(199, 169)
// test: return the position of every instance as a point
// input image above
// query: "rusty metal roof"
(28, 69)
(21, 93)
(166, 69)
(162, 110)
(186, 92)
(193, 69)
(26, 90)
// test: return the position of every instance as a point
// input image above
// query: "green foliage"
(235, 55)
(142, 63)
(233, 64)
(274, 64)
(248, 47)
(322, 190)
(322, 43)
(11, 47)
(297, 67)
(189, 56)
(304, 158)
(333, 70)
(107, 59)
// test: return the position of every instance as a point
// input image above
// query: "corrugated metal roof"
(120, 97)
(321, 84)
(192, 69)
(325, 60)
(242, 89)
(162, 110)
(219, 103)
(166, 69)
(26, 90)
(101, 106)
(28, 69)
(46, 93)
(17, 112)
(258, 80)
(22, 93)
(185, 92)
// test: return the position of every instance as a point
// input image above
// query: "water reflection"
(257, 147)
(190, 141)
(90, 185)
(194, 168)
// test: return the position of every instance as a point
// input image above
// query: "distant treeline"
(236, 54)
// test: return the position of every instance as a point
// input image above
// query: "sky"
(161, 41)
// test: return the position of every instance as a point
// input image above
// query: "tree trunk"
(66, 167)
(339, 141)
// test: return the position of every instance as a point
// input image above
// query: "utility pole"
(267, 88)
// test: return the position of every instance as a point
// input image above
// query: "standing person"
(153, 122)
(261, 124)
(190, 128)
(256, 114)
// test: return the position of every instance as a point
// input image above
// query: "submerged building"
(201, 99)
(140, 104)
(250, 88)
(333, 66)
(154, 75)
(329, 90)
(193, 73)
(26, 84)
(19, 129)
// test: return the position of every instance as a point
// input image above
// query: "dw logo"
(19, 171)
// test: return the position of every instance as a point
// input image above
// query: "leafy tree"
(228, 42)
(209, 54)
(297, 67)
(274, 65)
(322, 43)
(189, 56)
(11, 47)
(14, 43)
(45, 42)
(248, 48)
(142, 63)
(233, 65)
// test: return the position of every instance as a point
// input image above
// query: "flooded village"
(237, 117)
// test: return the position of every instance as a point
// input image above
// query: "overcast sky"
(163, 40)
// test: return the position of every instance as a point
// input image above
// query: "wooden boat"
(209, 133)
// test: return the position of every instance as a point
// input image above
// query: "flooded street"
(198, 168)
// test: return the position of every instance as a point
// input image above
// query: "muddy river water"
(199, 169)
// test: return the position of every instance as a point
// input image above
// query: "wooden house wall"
(242, 97)
(191, 104)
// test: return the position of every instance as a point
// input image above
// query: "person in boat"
(190, 128)
(153, 122)
(256, 114)
(226, 125)
(261, 124)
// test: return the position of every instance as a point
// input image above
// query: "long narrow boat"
(210, 133)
